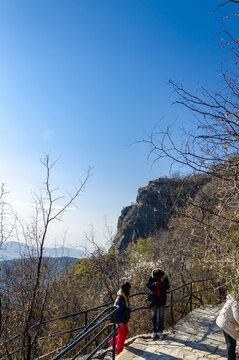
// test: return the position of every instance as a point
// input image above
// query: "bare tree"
(7, 217)
(7, 225)
(26, 290)
(103, 268)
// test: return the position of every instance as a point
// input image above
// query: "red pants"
(123, 332)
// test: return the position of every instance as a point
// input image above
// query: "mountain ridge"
(15, 250)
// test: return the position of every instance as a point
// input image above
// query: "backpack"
(125, 310)
(157, 290)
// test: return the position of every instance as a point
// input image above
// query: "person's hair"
(126, 288)
(158, 273)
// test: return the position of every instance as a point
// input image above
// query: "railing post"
(114, 328)
(86, 323)
(191, 296)
(171, 308)
(86, 318)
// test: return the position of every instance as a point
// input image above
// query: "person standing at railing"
(122, 317)
(158, 284)
(228, 321)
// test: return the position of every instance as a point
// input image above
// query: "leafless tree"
(7, 217)
(26, 290)
(104, 269)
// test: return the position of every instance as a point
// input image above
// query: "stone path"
(195, 337)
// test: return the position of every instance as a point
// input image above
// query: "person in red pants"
(122, 317)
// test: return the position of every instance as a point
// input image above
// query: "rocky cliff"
(155, 204)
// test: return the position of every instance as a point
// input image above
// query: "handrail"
(63, 317)
(88, 332)
(98, 307)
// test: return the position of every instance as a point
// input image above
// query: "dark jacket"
(162, 286)
(123, 313)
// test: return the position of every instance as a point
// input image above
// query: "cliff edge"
(155, 204)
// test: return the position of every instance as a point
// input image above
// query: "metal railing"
(191, 293)
(88, 329)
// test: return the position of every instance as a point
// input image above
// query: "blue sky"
(83, 80)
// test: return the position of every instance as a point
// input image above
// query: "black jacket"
(164, 286)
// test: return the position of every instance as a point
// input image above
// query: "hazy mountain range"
(15, 250)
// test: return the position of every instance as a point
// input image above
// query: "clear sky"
(82, 80)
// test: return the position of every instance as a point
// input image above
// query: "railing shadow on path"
(196, 346)
(150, 355)
(173, 343)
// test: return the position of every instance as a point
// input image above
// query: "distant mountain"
(15, 250)
(59, 265)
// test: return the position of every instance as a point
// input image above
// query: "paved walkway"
(195, 337)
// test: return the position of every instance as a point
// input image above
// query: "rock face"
(155, 204)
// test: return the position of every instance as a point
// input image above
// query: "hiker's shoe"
(160, 335)
(154, 335)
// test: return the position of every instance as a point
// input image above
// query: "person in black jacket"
(158, 284)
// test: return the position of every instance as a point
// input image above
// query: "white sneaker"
(160, 335)
(154, 335)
